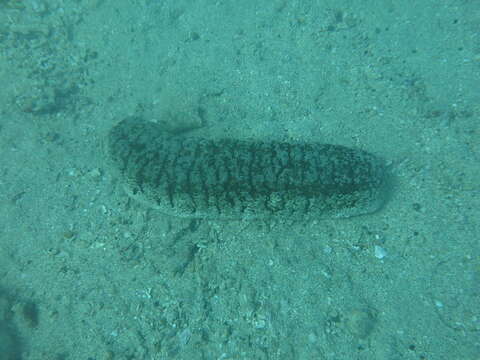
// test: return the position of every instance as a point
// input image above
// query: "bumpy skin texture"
(228, 178)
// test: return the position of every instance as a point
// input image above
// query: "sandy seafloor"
(86, 273)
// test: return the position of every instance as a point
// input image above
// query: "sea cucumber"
(235, 179)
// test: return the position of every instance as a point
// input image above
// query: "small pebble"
(380, 252)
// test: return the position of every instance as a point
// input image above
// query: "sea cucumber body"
(233, 179)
